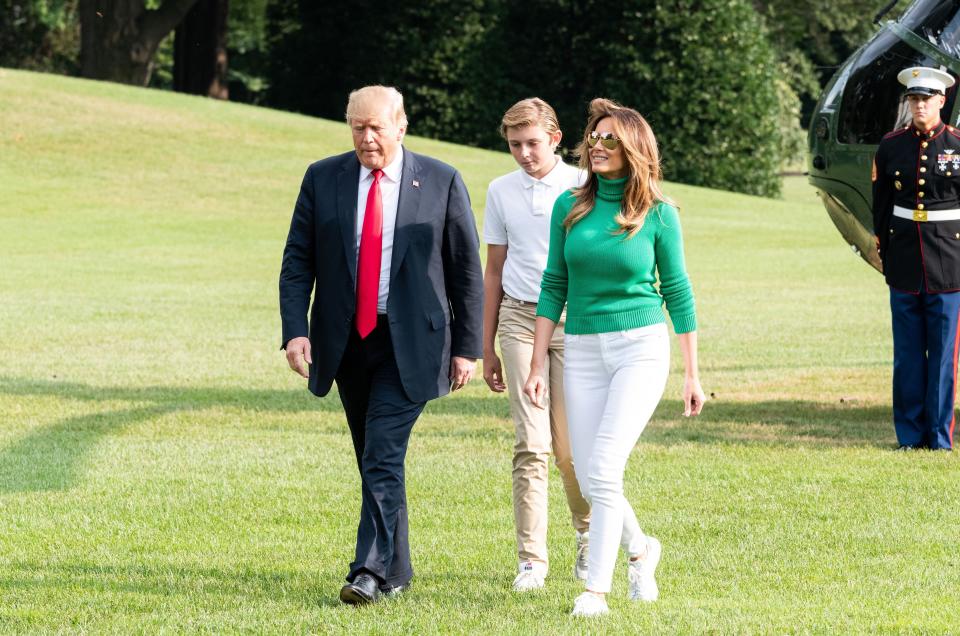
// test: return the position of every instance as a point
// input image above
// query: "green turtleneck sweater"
(608, 281)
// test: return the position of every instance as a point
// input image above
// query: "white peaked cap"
(923, 80)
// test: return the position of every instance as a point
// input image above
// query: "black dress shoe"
(395, 590)
(363, 589)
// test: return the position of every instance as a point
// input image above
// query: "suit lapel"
(407, 208)
(347, 186)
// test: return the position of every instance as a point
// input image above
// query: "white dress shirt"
(390, 197)
(517, 215)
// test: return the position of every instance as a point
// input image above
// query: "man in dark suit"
(386, 241)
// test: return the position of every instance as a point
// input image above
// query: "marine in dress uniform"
(916, 217)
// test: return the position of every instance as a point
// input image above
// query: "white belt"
(926, 215)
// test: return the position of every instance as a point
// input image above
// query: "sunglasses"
(608, 140)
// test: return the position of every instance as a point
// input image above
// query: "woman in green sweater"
(610, 241)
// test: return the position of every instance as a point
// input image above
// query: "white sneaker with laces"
(531, 576)
(589, 604)
(583, 556)
(642, 584)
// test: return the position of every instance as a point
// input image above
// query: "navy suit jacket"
(435, 304)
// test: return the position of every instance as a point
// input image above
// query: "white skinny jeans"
(612, 384)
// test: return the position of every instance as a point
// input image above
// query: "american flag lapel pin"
(416, 184)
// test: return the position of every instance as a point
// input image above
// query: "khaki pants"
(537, 432)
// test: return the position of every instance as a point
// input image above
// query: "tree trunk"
(200, 50)
(118, 38)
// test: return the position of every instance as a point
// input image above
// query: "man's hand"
(493, 373)
(298, 350)
(461, 370)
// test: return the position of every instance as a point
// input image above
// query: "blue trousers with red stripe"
(925, 343)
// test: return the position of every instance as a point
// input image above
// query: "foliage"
(813, 38)
(162, 76)
(714, 97)
(793, 138)
(120, 38)
(320, 52)
(247, 50)
(702, 71)
(461, 64)
(41, 35)
(539, 48)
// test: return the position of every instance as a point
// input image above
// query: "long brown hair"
(642, 190)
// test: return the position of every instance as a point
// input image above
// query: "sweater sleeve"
(674, 283)
(553, 287)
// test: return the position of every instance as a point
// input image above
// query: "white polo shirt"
(389, 197)
(517, 215)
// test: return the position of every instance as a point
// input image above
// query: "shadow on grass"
(226, 586)
(286, 401)
(52, 457)
(171, 581)
(774, 422)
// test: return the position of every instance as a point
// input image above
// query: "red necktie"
(368, 266)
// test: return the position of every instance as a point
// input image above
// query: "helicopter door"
(873, 102)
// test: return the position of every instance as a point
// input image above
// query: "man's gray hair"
(370, 100)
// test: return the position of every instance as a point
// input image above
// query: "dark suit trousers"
(380, 417)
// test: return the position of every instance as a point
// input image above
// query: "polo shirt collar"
(552, 178)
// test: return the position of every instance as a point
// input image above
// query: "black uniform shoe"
(363, 589)
(395, 590)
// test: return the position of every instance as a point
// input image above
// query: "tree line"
(725, 84)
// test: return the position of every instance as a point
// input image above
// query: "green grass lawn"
(161, 470)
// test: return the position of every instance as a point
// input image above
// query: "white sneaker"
(589, 604)
(531, 576)
(583, 556)
(642, 584)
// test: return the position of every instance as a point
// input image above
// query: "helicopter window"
(832, 100)
(873, 103)
(936, 20)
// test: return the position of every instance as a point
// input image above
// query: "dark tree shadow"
(775, 423)
(168, 580)
(52, 457)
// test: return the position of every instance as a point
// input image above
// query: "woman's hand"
(535, 387)
(693, 397)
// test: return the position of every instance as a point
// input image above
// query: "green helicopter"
(864, 101)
